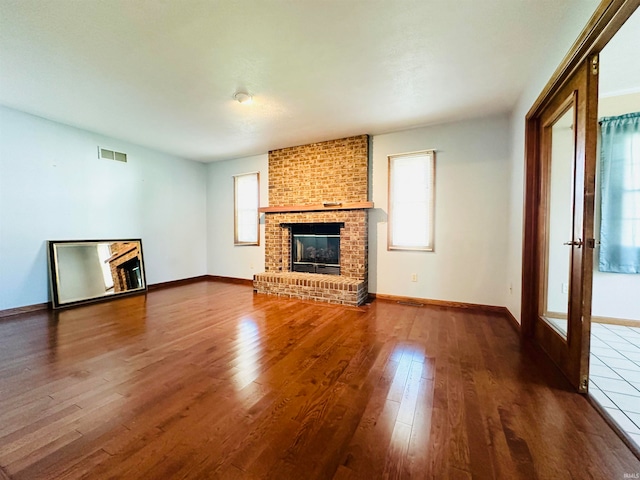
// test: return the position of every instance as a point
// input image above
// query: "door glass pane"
(560, 223)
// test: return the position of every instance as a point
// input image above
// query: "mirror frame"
(54, 273)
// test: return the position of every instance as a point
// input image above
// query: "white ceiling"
(620, 60)
(162, 73)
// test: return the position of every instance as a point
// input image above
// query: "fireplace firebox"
(315, 248)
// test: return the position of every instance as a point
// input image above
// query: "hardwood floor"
(209, 380)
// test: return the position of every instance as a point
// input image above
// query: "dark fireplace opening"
(132, 273)
(315, 248)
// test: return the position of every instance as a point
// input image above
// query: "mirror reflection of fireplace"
(91, 270)
(315, 248)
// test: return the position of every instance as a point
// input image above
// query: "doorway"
(565, 170)
(562, 229)
(614, 381)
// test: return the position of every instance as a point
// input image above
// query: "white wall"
(558, 44)
(224, 258)
(470, 214)
(53, 187)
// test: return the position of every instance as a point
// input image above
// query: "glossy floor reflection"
(209, 380)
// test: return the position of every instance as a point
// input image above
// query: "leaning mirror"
(94, 270)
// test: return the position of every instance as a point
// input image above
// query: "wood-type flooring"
(209, 380)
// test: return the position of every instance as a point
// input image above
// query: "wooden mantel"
(317, 207)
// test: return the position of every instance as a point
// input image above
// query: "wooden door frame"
(570, 352)
(609, 16)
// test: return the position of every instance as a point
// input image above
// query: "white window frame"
(249, 212)
(398, 207)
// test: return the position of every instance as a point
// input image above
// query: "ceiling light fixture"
(243, 98)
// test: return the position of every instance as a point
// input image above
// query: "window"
(246, 192)
(411, 201)
(620, 194)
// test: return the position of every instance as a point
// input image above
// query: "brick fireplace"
(125, 264)
(319, 183)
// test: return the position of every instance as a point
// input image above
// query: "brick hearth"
(313, 286)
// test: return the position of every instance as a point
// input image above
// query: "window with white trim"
(246, 193)
(411, 201)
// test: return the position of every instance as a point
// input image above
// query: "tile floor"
(614, 374)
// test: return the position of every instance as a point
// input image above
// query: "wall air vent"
(111, 155)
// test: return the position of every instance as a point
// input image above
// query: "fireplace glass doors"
(315, 248)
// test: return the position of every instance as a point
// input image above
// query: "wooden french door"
(559, 240)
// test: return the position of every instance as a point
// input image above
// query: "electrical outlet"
(414, 277)
(565, 288)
